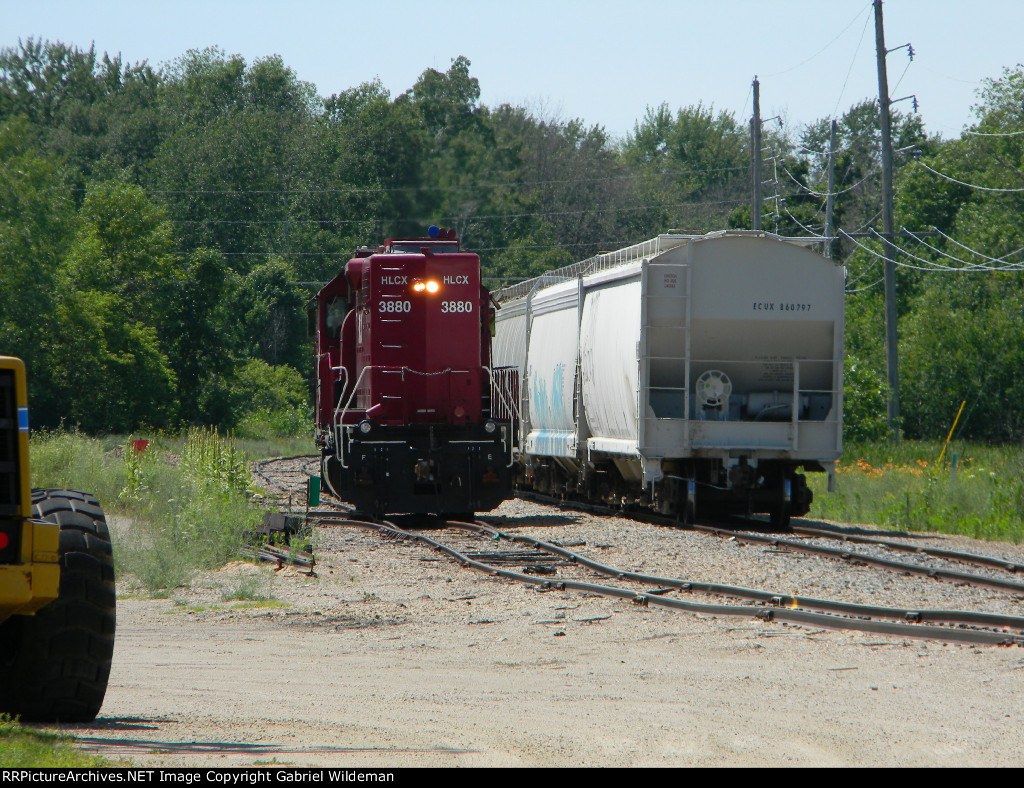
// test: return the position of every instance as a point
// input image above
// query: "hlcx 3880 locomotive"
(403, 400)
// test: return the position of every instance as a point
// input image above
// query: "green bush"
(263, 401)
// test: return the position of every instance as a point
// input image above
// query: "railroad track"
(857, 557)
(950, 626)
(892, 544)
(550, 566)
(285, 478)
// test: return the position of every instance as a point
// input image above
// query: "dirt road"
(394, 657)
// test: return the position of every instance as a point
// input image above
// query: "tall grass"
(173, 514)
(904, 487)
(71, 461)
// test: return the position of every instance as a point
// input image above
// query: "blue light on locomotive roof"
(434, 231)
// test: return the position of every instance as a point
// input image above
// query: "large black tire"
(54, 666)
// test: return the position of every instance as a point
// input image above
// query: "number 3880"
(460, 307)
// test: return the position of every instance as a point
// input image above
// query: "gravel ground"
(394, 656)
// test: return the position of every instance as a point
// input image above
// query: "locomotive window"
(337, 308)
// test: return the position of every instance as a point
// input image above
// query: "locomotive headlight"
(365, 426)
(490, 427)
(432, 286)
(419, 287)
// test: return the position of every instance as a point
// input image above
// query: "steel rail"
(787, 616)
(980, 581)
(280, 556)
(259, 466)
(938, 552)
(959, 617)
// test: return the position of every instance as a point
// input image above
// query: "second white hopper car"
(686, 373)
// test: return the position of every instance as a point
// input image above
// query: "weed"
(69, 460)
(210, 459)
(29, 748)
(902, 487)
(252, 588)
(185, 516)
(135, 481)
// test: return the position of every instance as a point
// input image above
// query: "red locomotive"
(403, 398)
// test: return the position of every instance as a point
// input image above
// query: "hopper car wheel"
(54, 665)
(780, 516)
(686, 516)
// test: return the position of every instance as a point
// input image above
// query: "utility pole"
(888, 248)
(830, 198)
(755, 159)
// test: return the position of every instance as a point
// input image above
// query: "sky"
(602, 61)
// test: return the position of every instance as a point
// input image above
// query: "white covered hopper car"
(689, 374)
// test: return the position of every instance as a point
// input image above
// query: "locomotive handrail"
(512, 409)
(507, 402)
(344, 369)
(339, 420)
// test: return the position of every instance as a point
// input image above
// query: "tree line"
(161, 229)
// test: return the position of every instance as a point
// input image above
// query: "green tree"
(96, 112)
(109, 373)
(36, 227)
(204, 333)
(693, 167)
(372, 151)
(273, 325)
(108, 358)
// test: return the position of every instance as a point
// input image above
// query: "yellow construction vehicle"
(56, 582)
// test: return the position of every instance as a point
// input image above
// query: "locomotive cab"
(403, 384)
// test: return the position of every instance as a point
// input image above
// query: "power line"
(474, 187)
(951, 79)
(273, 253)
(865, 288)
(970, 185)
(852, 61)
(864, 273)
(825, 195)
(973, 251)
(868, 223)
(934, 266)
(994, 134)
(978, 266)
(807, 230)
(898, 81)
(929, 266)
(490, 217)
(749, 91)
(830, 43)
